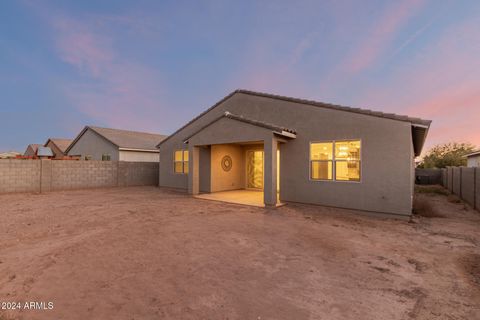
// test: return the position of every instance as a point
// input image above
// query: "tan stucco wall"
(90, 143)
(138, 156)
(387, 156)
(222, 180)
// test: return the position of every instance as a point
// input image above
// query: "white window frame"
(334, 167)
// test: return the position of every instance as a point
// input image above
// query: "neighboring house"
(58, 146)
(44, 153)
(9, 155)
(31, 150)
(307, 151)
(473, 159)
(95, 143)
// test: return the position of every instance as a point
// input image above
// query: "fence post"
(475, 188)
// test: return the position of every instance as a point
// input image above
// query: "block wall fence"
(53, 175)
(463, 182)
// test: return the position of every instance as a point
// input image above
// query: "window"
(335, 160)
(88, 157)
(321, 161)
(105, 157)
(180, 161)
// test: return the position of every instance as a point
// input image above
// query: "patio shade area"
(245, 197)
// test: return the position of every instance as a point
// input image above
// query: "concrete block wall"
(465, 183)
(137, 173)
(477, 188)
(19, 175)
(53, 175)
(67, 175)
(456, 181)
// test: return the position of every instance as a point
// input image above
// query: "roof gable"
(124, 139)
(415, 122)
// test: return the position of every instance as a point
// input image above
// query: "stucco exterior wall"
(138, 156)
(473, 161)
(233, 179)
(90, 143)
(387, 155)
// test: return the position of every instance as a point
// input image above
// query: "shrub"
(424, 208)
(435, 189)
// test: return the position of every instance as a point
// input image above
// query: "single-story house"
(31, 150)
(293, 150)
(58, 146)
(95, 143)
(473, 159)
(9, 155)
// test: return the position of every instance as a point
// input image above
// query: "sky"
(154, 65)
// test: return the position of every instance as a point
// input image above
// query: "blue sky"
(154, 65)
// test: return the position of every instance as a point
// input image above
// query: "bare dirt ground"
(147, 253)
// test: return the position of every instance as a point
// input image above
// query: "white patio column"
(270, 172)
(193, 170)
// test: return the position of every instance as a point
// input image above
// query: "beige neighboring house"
(96, 143)
(9, 155)
(31, 150)
(282, 149)
(58, 146)
(473, 159)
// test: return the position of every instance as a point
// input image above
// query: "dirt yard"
(146, 253)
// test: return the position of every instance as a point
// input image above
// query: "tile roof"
(392, 116)
(34, 146)
(62, 144)
(474, 153)
(130, 139)
(414, 121)
(258, 123)
(278, 129)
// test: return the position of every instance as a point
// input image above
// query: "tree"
(449, 154)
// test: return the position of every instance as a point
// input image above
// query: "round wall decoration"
(227, 163)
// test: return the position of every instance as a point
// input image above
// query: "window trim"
(182, 162)
(334, 167)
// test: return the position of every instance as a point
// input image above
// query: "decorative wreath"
(227, 163)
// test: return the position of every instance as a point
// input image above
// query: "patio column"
(270, 172)
(193, 169)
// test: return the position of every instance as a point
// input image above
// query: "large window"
(180, 161)
(335, 160)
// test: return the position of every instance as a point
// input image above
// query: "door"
(254, 169)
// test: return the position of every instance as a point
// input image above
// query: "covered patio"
(245, 197)
(234, 159)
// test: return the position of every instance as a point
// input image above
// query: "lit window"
(347, 160)
(180, 161)
(343, 164)
(321, 159)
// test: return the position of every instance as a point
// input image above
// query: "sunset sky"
(154, 65)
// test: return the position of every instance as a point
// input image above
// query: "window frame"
(182, 161)
(334, 161)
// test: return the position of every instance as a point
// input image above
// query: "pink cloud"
(381, 35)
(113, 90)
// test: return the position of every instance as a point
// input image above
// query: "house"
(9, 155)
(31, 150)
(37, 151)
(44, 153)
(95, 143)
(281, 149)
(58, 146)
(473, 159)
